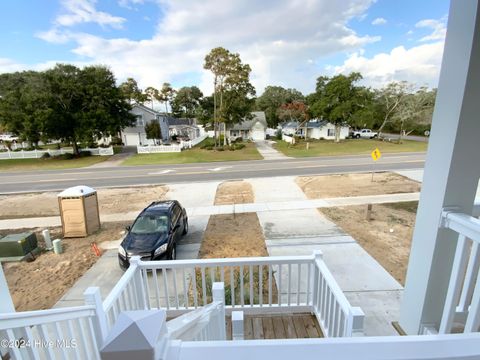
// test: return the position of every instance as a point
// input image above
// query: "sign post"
(376, 154)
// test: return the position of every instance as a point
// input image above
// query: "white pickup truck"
(364, 133)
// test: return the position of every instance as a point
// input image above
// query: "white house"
(252, 129)
(316, 129)
(169, 126)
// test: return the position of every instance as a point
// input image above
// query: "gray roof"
(248, 124)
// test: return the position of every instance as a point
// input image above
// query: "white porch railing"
(36, 154)
(66, 333)
(253, 285)
(462, 302)
(203, 324)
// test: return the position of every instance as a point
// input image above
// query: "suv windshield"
(150, 223)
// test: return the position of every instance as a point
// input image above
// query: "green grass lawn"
(195, 155)
(49, 164)
(347, 147)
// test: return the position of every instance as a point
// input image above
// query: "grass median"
(194, 155)
(49, 164)
(347, 147)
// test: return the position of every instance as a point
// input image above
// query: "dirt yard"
(234, 192)
(343, 185)
(387, 237)
(110, 200)
(233, 235)
(40, 284)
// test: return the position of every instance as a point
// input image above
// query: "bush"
(267, 137)
(278, 134)
(239, 146)
(84, 154)
(220, 149)
(46, 156)
(66, 156)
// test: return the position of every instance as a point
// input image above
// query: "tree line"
(81, 105)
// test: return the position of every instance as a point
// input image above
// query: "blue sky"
(287, 43)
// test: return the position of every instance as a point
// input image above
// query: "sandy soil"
(234, 192)
(111, 201)
(233, 235)
(40, 284)
(387, 237)
(342, 185)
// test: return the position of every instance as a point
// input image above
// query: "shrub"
(239, 146)
(84, 154)
(116, 141)
(278, 134)
(66, 156)
(46, 156)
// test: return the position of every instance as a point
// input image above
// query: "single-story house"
(251, 129)
(316, 129)
(135, 135)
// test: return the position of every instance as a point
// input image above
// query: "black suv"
(155, 233)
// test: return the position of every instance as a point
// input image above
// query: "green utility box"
(18, 244)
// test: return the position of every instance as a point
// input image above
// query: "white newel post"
(218, 294)
(92, 297)
(138, 283)
(452, 170)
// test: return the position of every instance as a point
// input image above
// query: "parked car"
(155, 233)
(364, 133)
(8, 137)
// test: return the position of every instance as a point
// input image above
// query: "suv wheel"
(357, 136)
(173, 253)
(185, 227)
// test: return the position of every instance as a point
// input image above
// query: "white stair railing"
(203, 324)
(463, 295)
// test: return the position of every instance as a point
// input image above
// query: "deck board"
(278, 326)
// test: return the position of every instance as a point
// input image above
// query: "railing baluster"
(473, 318)
(185, 292)
(222, 274)
(250, 273)
(43, 331)
(147, 288)
(232, 285)
(299, 271)
(260, 285)
(12, 338)
(84, 336)
(269, 285)
(177, 304)
(204, 287)
(242, 300)
(212, 274)
(165, 285)
(469, 283)
(279, 284)
(454, 286)
(157, 290)
(289, 289)
(195, 290)
(59, 335)
(309, 269)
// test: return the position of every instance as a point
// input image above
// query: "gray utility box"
(18, 244)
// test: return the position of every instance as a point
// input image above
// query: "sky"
(286, 42)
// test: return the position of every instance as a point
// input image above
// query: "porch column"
(452, 169)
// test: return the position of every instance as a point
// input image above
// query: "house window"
(331, 132)
(139, 120)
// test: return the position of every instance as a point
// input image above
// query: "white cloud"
(84, 11)
(419, 65)
(276, 39)
(379, 21)
(438, 26)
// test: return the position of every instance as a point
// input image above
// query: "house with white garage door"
(135, 135)
(250, 129)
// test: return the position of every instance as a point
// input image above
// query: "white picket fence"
(36, 154)
(153, 149)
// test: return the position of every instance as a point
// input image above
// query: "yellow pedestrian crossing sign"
(376, 154)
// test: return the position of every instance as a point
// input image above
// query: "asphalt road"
(122, 176)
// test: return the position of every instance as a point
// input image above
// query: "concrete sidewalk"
(280, 203)
(268, 152)
(302, 231)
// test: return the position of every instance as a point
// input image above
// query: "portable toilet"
(79, 211)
